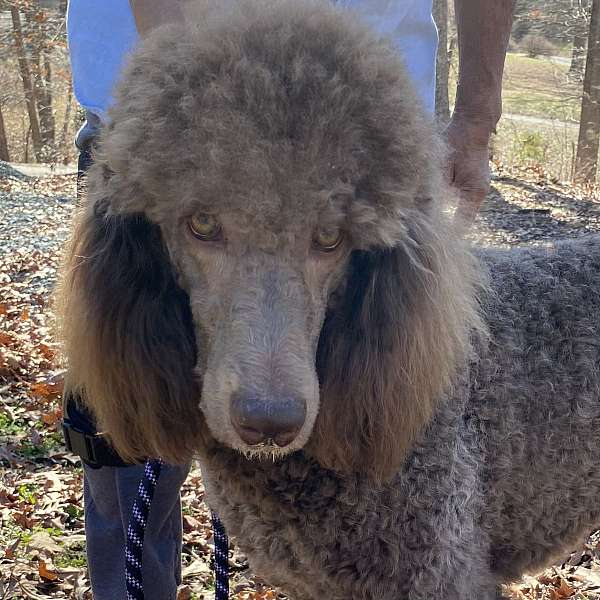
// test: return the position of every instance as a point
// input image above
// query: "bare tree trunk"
(4, 155)
(586, 162)
(442, 106)
(578, 56)
(64, 137)
(48, 88)
(27, 138)
(27, 84)
(42, 83)
(45, 111)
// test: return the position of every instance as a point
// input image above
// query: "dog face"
(263, 261)
(258, 276)
(260, 240)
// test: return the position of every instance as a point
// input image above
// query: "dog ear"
(129, 336)
(388, 350)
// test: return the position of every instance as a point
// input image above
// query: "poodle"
(265, 276)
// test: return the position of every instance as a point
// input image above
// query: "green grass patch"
(14, 531)
(47, 441)
(27, 493)
(9, 426)
(541, 88)
(75, 512)
(50, 442)
(535, 87)
(73, 556)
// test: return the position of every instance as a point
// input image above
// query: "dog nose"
(257, 421)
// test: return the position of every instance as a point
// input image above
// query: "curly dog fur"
(450, 439)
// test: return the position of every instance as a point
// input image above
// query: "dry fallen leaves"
(46, 573)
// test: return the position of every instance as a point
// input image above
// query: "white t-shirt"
(102, 32)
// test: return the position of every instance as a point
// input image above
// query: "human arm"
(150, 14)
(483, 31)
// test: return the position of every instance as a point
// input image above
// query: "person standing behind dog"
(101, 34)
(483, 31)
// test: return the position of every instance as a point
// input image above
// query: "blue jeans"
(109, 493)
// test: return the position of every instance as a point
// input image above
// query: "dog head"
(262, 261)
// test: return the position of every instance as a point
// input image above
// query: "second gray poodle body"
(504, 479)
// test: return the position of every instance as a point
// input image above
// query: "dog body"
(265, 275)
(503, 480)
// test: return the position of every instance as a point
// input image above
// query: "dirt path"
(546, 122)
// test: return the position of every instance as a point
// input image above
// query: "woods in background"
(37, 110)
(38, 115)
(544, 28)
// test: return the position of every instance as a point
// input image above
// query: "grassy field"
(535, 87)
(540, 121)
(540, 87)
(541, 112)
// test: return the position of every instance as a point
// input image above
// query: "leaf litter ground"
(42, 543)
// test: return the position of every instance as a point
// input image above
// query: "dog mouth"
(267, 449)
(258, 441)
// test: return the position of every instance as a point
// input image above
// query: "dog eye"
(327, 239)
(205, 227)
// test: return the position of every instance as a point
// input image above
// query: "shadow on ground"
(518, 212)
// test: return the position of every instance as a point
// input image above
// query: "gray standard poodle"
(265, 276)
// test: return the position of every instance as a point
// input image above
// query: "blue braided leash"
(221, 565)
(137, 528)
(135, 539)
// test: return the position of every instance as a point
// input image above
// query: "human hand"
(468, 168)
